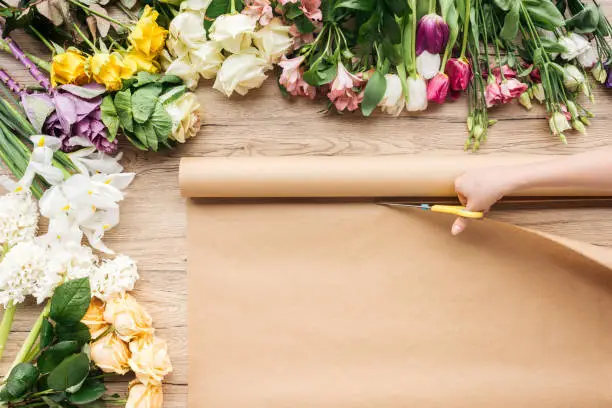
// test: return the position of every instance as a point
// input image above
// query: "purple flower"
(432, 34)
(609, 79)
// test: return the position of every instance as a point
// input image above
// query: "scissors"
(457, 210)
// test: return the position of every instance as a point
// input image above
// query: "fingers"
(459, 225)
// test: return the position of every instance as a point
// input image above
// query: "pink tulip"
(344, 92)
(432, 34)
(460, 73)
(291, 77)
(437, 88)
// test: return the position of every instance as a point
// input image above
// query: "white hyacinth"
(22, 272)
(114, 276)
(18, 218)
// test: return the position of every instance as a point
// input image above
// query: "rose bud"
(459, 72)
(432, 34)
(437, 88)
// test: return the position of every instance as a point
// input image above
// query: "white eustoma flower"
(18, 218)
(417, 94)
(241, 72)
(558, 123)
(233, 32)
(589, 58)
(573, 78)
(115, 276)
(273, 40)
(428, 65)
(574, 44)
(394, 101)
(185, 117)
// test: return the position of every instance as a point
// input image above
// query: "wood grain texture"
(152, 228)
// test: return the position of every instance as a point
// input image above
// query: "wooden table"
(153, 221)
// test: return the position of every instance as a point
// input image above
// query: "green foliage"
(70, 373)
(90, 391)
(77, 332)
(70, 301)
(585, 21)
(21, 379)
(374, 93)
(54, 355)
(110, 117)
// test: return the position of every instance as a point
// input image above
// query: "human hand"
(479, 189)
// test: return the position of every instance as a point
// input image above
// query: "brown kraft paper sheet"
(317, 305)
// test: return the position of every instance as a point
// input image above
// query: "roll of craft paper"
(397, 176)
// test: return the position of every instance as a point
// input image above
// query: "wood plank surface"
(153, 220)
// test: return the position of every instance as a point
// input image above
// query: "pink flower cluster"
(292, 77)
(346, 90)
(503, 86)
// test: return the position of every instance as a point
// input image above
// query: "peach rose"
(144, 396)
(111, 354)
(150, 360)
(94, 318)
(129, 319)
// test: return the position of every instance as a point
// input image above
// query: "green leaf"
(450, 15)
(526, 71)
(123, 104)
(152, 140)
(54, 355)
(586, 21)
(70, 301)
(91, 391)
(361, 5)
(552, 46)
(292, 11)
(170, 80)
(38, 108)
(144, 100)
(145, 78)
(69, 373)
(374, 93)
(50, 403)
(109, 117)
(304, 25)
(83, 92)
(391, 29)
(135, 142)
(46, 334)
(161, 122)
(172, 94)
(556, 67)
(544, 14)
(320, 74)
(369, 30)
(141, 136)
(511, 22)
(75, 332)
(398, 7)
(505, 4)
(21, 379)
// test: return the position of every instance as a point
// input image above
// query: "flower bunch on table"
(90, 326)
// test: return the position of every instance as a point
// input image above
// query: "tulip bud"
(572, 78)
(558, 123)
(428, 65)
(525, 100)
(437, 88)
(579, 127)
(432, 34)
(417, 94)
(393, 101)
(571, 107)
(538, 92)
(459, 72)
(599, 73)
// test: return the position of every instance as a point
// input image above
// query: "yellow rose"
(129, 319)
(94, 318)
(148, 37)
(110, 69)
(144, 396)
(141, 62)
(69, 68)
(111, 354)
(150, 360)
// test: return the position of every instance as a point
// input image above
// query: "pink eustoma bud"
(459, 72)
(437, 88)
(432, 34)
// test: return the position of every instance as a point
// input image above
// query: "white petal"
(428, 65)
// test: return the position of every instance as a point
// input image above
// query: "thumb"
(459, 225)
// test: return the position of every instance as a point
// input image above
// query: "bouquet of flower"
(90, 327)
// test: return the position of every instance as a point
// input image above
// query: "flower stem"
(12, 85)
(42, 38)
(466, 26)
(232, 6)
(5, 325)
(84, 37)
(27, 345)
(96, 13)
(432, 6)
(20, 56)
(38, 61)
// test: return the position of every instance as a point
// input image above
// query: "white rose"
(273, 40)
(183, 69)
(185, 117)
(199, 6)
(393, 102)
(233, 31)
(241, 72)
(186, 32)
(207, 59)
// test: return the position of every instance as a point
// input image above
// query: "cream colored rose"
(273, 40)
(233, 31)
(128, 318)
(94, 318)
(185, 117)
(183, 69)
(241, 72)
(111, 354)
(150, 360)
(144, 396)
(207, 59)
(199, 6)
(186, 32)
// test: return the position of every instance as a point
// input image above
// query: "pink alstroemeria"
(493, 93)
(460, 73)
(260, 9)
(432, 34)
(437, 88)
(512, 89)
(312, 9)
(291, 77)
(342, 92)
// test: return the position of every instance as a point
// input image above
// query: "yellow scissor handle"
(458, 211)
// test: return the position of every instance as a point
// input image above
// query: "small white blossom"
(22, 271)
(18, 218)
(114, 276)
